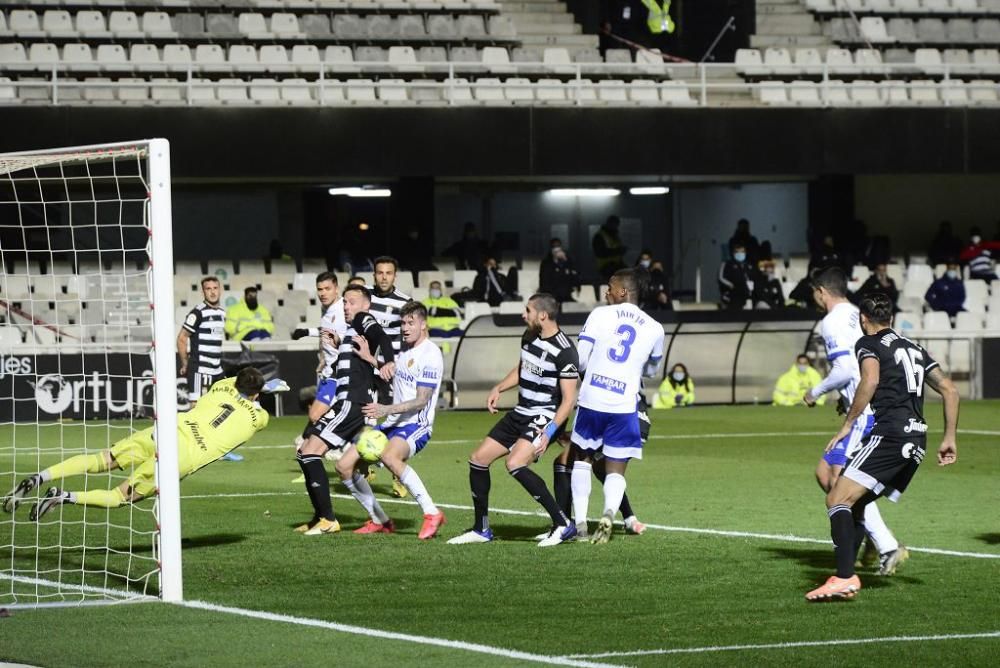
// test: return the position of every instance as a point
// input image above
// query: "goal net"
(86, 359)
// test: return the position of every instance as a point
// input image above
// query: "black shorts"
(514, 426)
(200, 383)
(339, 425)
(886, 464)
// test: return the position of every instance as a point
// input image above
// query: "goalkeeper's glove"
(299, 333)
(275, 385)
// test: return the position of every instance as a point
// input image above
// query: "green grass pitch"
(636, 601)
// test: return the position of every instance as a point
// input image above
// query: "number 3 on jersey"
(624, 348)
(913, 369)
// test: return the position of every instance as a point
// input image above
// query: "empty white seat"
(404, 59)
(778, 60)
(808, 61)
(839, 60)
(210, 56)
(133, 91)
(25, 24)
(650, 61)
(870, 60)
(804, 93)
(457, 90)
(582, 90)
(253, 25)
(873, 29)
(749, 61)
(13, 57)
(644, 91)
(557, 60)
(112, 57)
(471, 26)
(8, 94)
(166, 91)
(125, 25)
(412, 27)
(550, 91)
(928, 59)
(157, 24)
(676, 93)
(286, 26)
(983, 91)
(488, 90)
(924, 91)
(145, 57)
(392, 90)
(993, 322)
(894, 91)
(243, 57)
(264, 91)
(954, 92)
(97, 93)
(497, 60)
(360, 91)
(865, 93)
(970, 322)
(772, 92)
(518, 89)
(201, 91)
(91, 24)
(43, 55)
(305, 58)
(58, 23)
(296, 91)
(502, 27)
(835, 92)
(612, 90)
(274, 57)
(936, 320)
(176, 57)
(331, 92)
(339, 59)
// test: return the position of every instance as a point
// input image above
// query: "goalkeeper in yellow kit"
(223, 419)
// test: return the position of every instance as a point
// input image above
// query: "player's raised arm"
(941, 383)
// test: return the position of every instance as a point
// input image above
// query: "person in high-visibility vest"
(444, 315)
(794, 383)
(247, 319)
(659, 20)
(676, 390)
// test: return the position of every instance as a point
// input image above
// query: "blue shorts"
(415, 435)
(326, 391)
(846, 446)
(617, 435)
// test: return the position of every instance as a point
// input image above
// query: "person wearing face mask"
(767, 292)
(979, 256)
(794, 383)
(444, 315)
(557, 274)
(490, 285)
(735, 281)
(655, 294)
(676, 390)
(948, 292)
(880, 282)
(247, 319)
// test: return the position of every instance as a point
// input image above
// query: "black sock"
(561, 477)
(842, 532)
(601, 473)
(305, 432)
(317, 485)
(859, 537)
(479, 483)
(532, 482)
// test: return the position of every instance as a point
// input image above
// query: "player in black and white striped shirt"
(203, 328)
(547, 376)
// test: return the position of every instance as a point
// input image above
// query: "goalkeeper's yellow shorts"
(135, 449)
(138, 452)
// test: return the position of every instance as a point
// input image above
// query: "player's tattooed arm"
(941, 383)
(424, 395)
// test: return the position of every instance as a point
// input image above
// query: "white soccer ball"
(370, 444)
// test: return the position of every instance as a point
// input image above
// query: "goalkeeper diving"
(223, 419)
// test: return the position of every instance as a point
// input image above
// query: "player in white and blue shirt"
(619, 344)
(415, 387)
(841, 329)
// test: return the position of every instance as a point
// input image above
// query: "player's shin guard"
(580, 483)
(842, 532)
(479, 483)
(362, 492)
(415, 486)
(614, 491)
(104, 498)
(561, 485)
(317, 485)
(875, 526)
(76, 466)
(535, 486)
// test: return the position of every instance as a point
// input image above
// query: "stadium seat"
(983, 92)
(176, 57)
(166, 91)
(157, 25)
(58, 23)
(462, 278)
(808, 61)
(924, 91)
(582, 91)
(360, 91)
(91, 25)
(349, 27)
(25, 24)
(903, 30)
(133, 91)
(14, 58)
(297, 92)
(316, 26)
(98, 90)
(749, 62)
(986, 59)
(392, 90)
(928, 60)
(502, 27)
(839, 61)
(908, 322)
(145, 58)
(865, 93)
(557, 60)
(8, 93)
(371, 56)
(988, 31)
(643, 91)
(381, 27)
(968, 321)
(43, 56)
(243, 58)
(442, 27)
(471, 27)
(497, 60)
(649, 61)
(412, 28)
(931, 31)
(894, 91)
(339, 59)
(935, 6)
(936, 321)
(873, 30)
(404, 59)
(518, 89)
(189, 26)
(210, 57)
(112, 58)
(843, 30)
(993, 322)
(224, 26)
(457, 90)
(870, 61)
(953, 92)
(834, 92)
(772, 93)
(803, 93)
(488, 90)
(274, 58)
(959, 355)
(10, 338)
(475, 310)
(125, 25)
(306, 58)
(286, 26)
(920, 273)
(960, 31)
(676, 94)
(958, 61)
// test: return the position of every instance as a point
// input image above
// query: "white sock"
(362, 491)
(878, 531)
(579, 482)
(614, 490)
(415, 486)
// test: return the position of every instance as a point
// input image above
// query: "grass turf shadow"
(820, 565)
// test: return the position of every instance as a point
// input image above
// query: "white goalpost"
(86, 359)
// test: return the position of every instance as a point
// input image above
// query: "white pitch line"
(786, 645)
(405, 637)
(789, 538)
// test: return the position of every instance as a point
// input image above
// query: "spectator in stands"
(794, 383)
(945, 246)
(277, 252)
(879, 281)
(826, 256)
(609, 252)
(444, 315)
(470, 250)
(979, 256)
(677, 389)
(656, 292)
(414, 254)
(490, 284)
(742, 237)
(767, 292)
(248, 320)
(948, 292)
(735, 280)
(357, 280)
(557, 275)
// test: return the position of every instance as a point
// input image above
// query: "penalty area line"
(404, 637)
(788, 538)
(786, 645)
